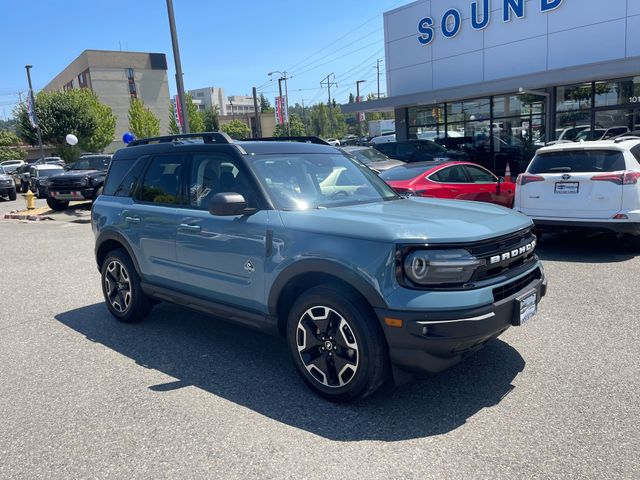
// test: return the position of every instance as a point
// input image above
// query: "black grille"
(65, 183)
(498, 247)
(509, 289)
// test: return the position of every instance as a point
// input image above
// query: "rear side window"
(578, 161)
(162, 180)
(636, 152)
(402, 173)
(123, 176)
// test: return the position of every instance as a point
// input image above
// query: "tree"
(142, 122)
(265, 106)
(352, 99)
(10, 147)
(196, 118)
(76, 111)
(319, 123)
(105, 130)
(236, 129)
(196, 122)
(9, 124)
(211, 120)
(297, 128)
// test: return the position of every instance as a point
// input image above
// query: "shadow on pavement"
(254, 370)
(585, 248)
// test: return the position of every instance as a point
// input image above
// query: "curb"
(31, 218)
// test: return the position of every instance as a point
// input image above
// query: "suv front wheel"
(336, 344)
(121, 288)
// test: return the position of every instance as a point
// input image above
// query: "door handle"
(189, 228)
(132, 219)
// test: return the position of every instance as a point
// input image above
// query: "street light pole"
(358, 114)
(33, 110)
(176, 58)
(283, 76)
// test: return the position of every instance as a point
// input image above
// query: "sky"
(223, 43)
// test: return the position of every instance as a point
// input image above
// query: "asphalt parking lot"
(183, 395)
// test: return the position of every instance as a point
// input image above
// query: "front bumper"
(430, 342)
(74, 194)
(7, 190)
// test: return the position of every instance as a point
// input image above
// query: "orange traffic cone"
(507, 174)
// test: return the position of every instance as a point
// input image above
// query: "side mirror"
(227, 204)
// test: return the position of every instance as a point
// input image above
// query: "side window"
(213, 173)
(161, 182)
(405, 149)
(636, 152)
(345, 178)
(454, 174)
(123, 176)
(386, 148)
(480, 175)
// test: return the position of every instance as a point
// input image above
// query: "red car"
(456, 180)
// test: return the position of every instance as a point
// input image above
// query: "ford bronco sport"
(363, 283)
(83, 180)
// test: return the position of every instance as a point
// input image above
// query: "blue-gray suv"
(300, 240)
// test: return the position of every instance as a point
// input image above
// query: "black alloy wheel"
(121, 288)
(336, 343)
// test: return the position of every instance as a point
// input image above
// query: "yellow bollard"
(31, 200)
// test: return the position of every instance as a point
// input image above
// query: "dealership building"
(499, 78)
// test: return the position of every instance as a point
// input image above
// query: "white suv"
(592, 185)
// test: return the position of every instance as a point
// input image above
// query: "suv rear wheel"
(336, 344)
(121, 288)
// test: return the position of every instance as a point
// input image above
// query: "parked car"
(333, 142)
(21, 177)
(372, 158)
(391, 137)
(83, 180)
(601, 134)
(454, 180)
(362, 285)
(7, 187)
(419, 151)
(10, 166)
(39, 177)
(588, 186)
(49, 161)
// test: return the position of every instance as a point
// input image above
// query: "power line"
(330, 61)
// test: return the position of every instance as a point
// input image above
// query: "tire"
(634, 242)
(348, 358)
(13, 195)
(121, 288)
(56, 205)
(23, 188)
(39, 193)
(97, 193)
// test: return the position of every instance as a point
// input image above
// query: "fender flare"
(311, 266)
(113, 235)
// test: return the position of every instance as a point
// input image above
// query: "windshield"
(578, 161)
(303, 181)
(2, 171)
(427, 146)
(369, 155)
(92, 163)
(48, 172)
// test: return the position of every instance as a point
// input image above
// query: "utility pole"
(304, 116)
(176, 58)
(285, 105)
(257, 112)
(327, 81)
(378, 77)
(358, 100)
(33, 110)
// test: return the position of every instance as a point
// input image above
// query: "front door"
(485, 187)
(222, 258)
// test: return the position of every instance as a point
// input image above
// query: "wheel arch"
(111, 240)
(306, 274)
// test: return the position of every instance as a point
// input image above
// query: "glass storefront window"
(514, 105)
(469, 110)
(570, 124)
(429, 115)
(618, 92)
(573, 97)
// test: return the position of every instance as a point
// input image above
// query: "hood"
(79, 174)
(411, 220)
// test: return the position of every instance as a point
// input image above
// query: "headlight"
(437, 267)
(84, 182)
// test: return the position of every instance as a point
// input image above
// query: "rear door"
(573, 184)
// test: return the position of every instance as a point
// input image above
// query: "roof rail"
(301, 139)
(207, 137)
(625, 138)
